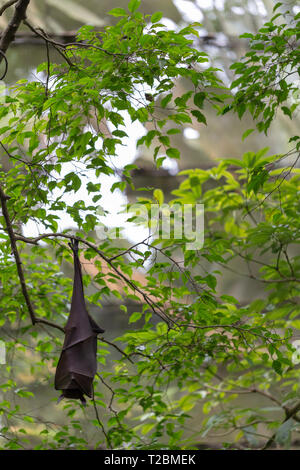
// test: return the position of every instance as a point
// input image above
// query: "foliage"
(195, 350)
(268, 74)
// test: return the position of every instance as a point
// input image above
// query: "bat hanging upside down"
(77, 364)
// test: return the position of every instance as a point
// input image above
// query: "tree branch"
(155, 308)
(50, 323)
(116, 347)
(4, 198)
(7, 5)
(289, 413)
(71, 44)
(12, 27)
(57, 46)
(34, 319)
(3, 56)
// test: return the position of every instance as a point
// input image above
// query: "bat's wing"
(77, 365)
(76, 369)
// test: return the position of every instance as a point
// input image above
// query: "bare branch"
(71, 44)
(49, 323)
(57, 46)
(290, 413)
(7, 5)
(116, 347)
(6, 64)
(12, 27)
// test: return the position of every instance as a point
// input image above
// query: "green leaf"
(199, 99)
(173, 131)
(121, 185)
(159, 196)
(173, 153)
(29, 419)
(287, 111)
(159, 161)
(276, 364)
(246, 133)
(166, 100)
(200, 117)
(134, 5)
(156, 17)
(117, 12)
(147, 428)
(135, 317)
(75, 181)
(283, 434)
(277, 6)
(246, 36)
(211, 281)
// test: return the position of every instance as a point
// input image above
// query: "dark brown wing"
(77, 364)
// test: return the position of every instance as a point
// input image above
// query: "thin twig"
(12, 27)
(116, 347)
(7, 5)
(6, 64)
(49, 323)
(278, 186)
(72, 44)
(57, 46)
(100, 423)
(290, 413)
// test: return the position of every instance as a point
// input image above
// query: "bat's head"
(72, 393)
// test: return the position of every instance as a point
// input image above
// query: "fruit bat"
(77, 364)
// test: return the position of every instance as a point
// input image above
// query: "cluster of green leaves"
(220, 350)
(268, 76)
(125, 69)
(192, 349)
